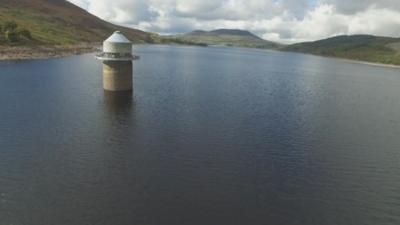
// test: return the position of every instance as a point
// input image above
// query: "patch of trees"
(11, 33)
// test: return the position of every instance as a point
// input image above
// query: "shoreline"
(353, 61)
(16, 53)
(393, 66)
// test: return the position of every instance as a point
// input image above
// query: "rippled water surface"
(210, 136)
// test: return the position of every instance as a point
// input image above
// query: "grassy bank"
(366, 48)
(42, 52)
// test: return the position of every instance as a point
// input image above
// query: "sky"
(285, 21)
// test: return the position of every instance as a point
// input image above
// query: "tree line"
(11, 33)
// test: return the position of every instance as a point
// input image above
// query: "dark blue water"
(210, 136)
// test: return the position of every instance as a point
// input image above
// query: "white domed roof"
(117, 37)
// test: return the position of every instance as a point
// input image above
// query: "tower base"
(117, 75)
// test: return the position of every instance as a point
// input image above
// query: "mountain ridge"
(227, 37)
(359, 47)
(223, 31)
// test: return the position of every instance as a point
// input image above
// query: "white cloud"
(278, 20)
(353, 6)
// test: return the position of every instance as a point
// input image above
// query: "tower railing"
(110, 55)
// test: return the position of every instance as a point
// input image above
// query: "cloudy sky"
(285, 21)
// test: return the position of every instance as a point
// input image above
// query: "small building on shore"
(117, 60)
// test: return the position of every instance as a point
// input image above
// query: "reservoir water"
(209, 136)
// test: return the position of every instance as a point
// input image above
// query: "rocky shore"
(43, 52)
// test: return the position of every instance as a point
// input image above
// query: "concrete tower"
(117, 63)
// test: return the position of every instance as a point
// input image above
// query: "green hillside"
(26, 25)
(356, 47)
(57, 22)
(226, 37)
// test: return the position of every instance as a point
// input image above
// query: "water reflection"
(118, 102)
(118, 118)
(222, 137)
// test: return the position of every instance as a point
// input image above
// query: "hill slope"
(227, 37)
(59, 22)
(356, 47)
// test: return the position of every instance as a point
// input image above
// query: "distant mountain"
(226, 37)
(356, 47)
(221, 32)
(59, 22)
